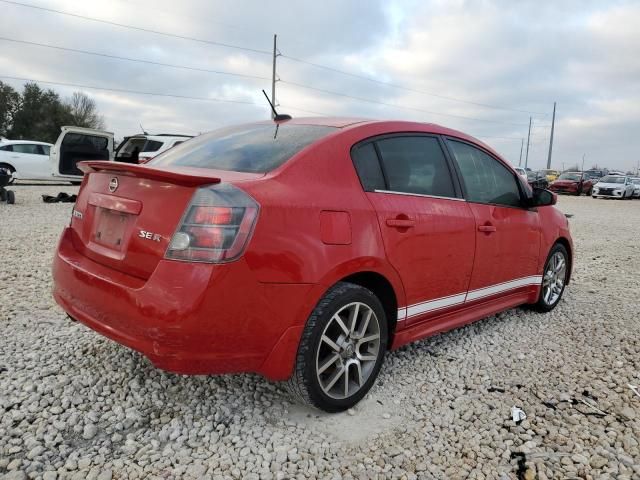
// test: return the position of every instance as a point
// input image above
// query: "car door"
(31, 161)
(427, 228)
(507, 233)
(75, 144)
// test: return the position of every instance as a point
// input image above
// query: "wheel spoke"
(328, 363)
(331, 343)
(370, 338)
(359, 367)
(365, 324)
(336, 318)
(559, 265)
(336, 376)
(367, 358)
(346, 380)
(353, 318)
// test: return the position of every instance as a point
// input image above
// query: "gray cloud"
(520, 55)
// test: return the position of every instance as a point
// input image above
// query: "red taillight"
(215, 227)
(211, 215)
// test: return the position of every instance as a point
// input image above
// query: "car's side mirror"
(542, 198)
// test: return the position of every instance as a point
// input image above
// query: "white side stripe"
(503, 287)
(437, 304)
(460, 298)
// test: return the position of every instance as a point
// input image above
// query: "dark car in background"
(537, 179)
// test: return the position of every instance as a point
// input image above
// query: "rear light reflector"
(215, 227)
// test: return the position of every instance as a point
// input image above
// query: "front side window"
(44, 150)
(151, 146)
(486, 180)
(416, 165)
(7, 148)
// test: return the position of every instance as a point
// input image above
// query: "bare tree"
(84, 111)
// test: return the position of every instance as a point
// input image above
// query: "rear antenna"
(142, 128)
(276, 116)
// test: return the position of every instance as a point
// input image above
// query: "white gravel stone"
(75, 404)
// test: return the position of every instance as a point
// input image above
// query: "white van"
(74, 145)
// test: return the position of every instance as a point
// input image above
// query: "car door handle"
(400, 222)
(486, 228)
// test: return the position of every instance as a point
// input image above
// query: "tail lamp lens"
(215, 227)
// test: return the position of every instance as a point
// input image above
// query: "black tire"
(11, 197)
(304, 384)
(542, 305)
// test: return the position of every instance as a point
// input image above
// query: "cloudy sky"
(483, 67)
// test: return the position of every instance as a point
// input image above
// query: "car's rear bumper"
(186, 318)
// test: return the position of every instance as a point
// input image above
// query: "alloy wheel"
(348, 351)
(554, 278)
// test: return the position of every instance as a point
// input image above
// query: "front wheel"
(554, 279)
(341, 349)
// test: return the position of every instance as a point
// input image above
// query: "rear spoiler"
(144, 171)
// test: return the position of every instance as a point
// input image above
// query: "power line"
(402, 87)
(377, 102)
(140, 29)
(135, 92)
(129, 59)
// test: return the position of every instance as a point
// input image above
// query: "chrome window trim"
(420, 195)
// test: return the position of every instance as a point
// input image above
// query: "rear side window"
(486, 180)
(27, 148)
(151, 146)
(367, 165)
(72, 140)
(416, 165)
(246, 148)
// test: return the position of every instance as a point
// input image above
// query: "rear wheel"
(341, 349)
(554, 279)
(11, 197)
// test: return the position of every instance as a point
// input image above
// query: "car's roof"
(18, 142)
(395, 125)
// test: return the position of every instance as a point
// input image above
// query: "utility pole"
(526, 158)
(553, 124)
(274, 79)
(582, 170)
(521, 146)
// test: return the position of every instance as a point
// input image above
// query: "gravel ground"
(75, 405)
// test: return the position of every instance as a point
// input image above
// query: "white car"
(613, 186)
(636, 187)
(142, 148)
(26, 159)
(521, 171)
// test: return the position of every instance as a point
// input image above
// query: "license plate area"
(111, 228)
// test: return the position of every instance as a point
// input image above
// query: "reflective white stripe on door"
(452, 300)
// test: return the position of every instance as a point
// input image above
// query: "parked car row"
(31, 160)
(617, 186)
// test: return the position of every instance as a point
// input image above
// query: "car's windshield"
(635, 181)
(532, 175)
(612, 179)
(256, 148)
(570, 176)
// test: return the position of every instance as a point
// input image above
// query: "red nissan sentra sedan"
(304, 250)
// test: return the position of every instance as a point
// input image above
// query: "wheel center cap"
(349, 350)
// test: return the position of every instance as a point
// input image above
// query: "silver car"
(613, 186)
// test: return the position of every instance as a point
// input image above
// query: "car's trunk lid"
(126, 214)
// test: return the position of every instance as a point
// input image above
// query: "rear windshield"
(244, 148)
